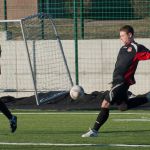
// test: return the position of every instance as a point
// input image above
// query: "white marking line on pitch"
(69, 145)
(74, 113)
(132, 120)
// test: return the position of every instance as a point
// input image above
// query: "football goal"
(32, 59)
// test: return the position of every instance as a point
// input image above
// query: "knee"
(105, 104)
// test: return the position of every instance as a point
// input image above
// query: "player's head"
(126, 34)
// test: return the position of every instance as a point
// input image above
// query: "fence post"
(75, 17)
(41, 9)
(5, 14)
(82, 18)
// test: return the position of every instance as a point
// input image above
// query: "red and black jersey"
(127, 61)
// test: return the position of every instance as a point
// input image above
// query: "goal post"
(33, 60)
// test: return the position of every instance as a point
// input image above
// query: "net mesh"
(48, 65)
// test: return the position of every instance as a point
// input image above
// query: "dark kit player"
(123, 77)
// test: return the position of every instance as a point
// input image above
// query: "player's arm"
(143, 53)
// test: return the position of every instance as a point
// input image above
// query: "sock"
(5, 110)
(136, 101)
(101, 119)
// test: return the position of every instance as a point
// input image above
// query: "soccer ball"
(76, 92)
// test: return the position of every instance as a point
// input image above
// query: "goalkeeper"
(123, 77)
(3, 108)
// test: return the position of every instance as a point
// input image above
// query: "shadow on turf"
(128, 131)
(50, 132)
(81, 132)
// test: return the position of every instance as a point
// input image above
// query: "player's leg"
(5, 110)
(101, 119)
(121, 97)
(134, 101)
(137, 101)
(12, 119)
(115, 95)
(13, 123)
(102, 116)
(112, 96)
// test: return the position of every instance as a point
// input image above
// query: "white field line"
(71, 145)
(75, 113)
(132, 120)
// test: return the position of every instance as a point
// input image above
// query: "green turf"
(67, 128)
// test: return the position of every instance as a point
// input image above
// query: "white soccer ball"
(76, 92)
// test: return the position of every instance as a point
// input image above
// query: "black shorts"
(117, 94)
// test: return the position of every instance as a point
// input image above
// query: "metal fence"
(89, 33)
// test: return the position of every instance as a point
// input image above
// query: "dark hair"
(127, 29)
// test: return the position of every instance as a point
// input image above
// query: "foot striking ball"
(76, 92)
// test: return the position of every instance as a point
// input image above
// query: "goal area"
(32, 59)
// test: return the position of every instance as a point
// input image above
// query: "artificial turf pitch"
(62, 130)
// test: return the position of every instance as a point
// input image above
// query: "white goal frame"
(40, 100)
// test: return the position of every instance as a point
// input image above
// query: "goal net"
(32, 59)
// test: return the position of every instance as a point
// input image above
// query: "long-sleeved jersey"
(127, 62)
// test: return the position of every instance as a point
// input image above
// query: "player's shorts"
(117, 94)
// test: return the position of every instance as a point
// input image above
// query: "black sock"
(137, 101)
(101, 119)
(5, 110)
